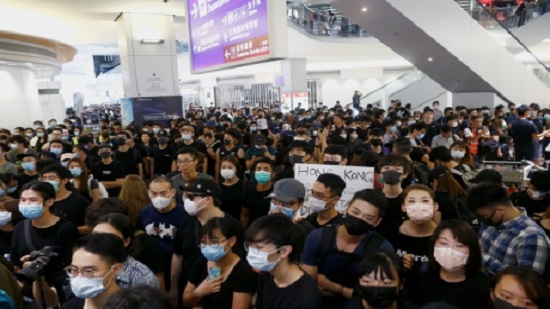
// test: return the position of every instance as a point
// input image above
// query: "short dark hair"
(522, 110)
(120, 222)
(104, 207)
(417, 126)
(540, 180)
(392, 159)
(279, 230)
(60, 171)
(332, 181)
(466, 235)
(376, 132)
(18, 139)
(45, 189)
(227, 226)
(373, 197)
(308, 149)
(4, 147)
(384, 262)
(487, 195)
(188, 150)
(337, 150)
(446, 128)
(264, 160)
(441, 153)
(403, 146)
(141, 297)
(108, 246)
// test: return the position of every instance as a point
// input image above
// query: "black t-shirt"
(211, 168)
(23, 179)
(242, 279)
(197, 145)
(256, 203)
(470, 293)
(61, 236)
(522, 199)
(232, 199)
(72, 208)
(313, 220)
(357, 303)
(302, 294)
(522, 132)
(109, 172)
(74, 303)
(130, 159)
(393, 217)
(163, 160)
(90, 160)
(5, 242)
(147, 251)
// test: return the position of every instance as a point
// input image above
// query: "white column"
(19, 101)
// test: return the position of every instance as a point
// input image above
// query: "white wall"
(420, 92)
(19, 100)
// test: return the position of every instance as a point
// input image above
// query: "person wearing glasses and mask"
(97, 259)
(288, 198)
(220, 278)
(332, 253)
(274, 245)
(202, 200)
(187, 161)
(323, 197)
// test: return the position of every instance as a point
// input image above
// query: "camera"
(40, 259)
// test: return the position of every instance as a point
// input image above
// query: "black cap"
(438, 171)
(206, 186)
(490, 176)
(259, 139)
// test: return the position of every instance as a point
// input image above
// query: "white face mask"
(191, 207)
(161, 202)
(259, 260)
(227, 174)
(457, 154)
(316, 205)
(5, 217)
(420, 212)
(449, 258)
(538, 194)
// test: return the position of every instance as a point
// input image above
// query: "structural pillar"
(147, 55)
(294, 88)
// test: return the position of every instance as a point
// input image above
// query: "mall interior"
(58, 54)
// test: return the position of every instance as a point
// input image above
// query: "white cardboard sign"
(357, 178)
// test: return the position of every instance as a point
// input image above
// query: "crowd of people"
(205, 211)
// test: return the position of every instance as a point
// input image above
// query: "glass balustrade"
(382, 94)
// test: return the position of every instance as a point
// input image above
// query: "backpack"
(328, 233)
(420, 173)
(459, 210)
(466, 173)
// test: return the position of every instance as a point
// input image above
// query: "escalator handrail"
(513, 36)
(389, 83)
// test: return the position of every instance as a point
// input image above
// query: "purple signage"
(227, 32)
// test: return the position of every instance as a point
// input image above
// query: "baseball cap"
(104, 145)
(287, 190)
(206, 186)
(438, 171)
(259, 139)
(489, 175)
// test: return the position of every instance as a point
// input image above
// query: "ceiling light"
(430, 59)
(364, 9)
(152, 41)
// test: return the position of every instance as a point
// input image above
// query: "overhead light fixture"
(430, 59)
(364, 9)
(152, 41)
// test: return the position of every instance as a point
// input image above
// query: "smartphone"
(214, 273)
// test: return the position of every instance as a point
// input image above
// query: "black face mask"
(227, 142)
(162, 141)
(502, 304)
(487, 221)
(376, 142)
(379, 297)
(390, 177)
(105, 135)
(105, 155)
(293, 159)
(121, 141)
(331, 163)
(209, 135)
(356, 226)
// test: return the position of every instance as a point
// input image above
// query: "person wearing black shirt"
(255, 205)
(130, 157)
(212, 146)
(232, 187)
(282, 284)
(29, 173)
(324, 195)
(524, 134)
(235, 282)
(202, 201)
(536, 198)
(109, 172)
(43, 229)
(162, 154)
(230, 148)
(69, 205)
(83, 155)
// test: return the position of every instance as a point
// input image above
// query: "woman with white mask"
(454, 275)
(232, 186)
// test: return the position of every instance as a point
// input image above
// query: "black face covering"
(121, 141)
(331, 163)
(162, 140)
(227, 142)
(390, 177)
(356, 226)
(105, 155)
(293, 159)
(376, 142)
(105, 135)
(379, 297)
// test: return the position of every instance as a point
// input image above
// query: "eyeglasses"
(184, 162)
(86, 272)
(219, 243)
(319, 195)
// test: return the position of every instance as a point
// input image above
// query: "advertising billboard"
(159, 110)
(227, 33)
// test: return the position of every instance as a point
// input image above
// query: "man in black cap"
(202, 201)
(256, 152)
(108, 171)
(487, 176)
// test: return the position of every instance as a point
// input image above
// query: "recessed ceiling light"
(430, 59)
(364, 9)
